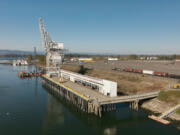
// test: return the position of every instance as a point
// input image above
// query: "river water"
(27, 108)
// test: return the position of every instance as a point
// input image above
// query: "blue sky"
(110, 26)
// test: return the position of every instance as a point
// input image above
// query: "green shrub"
(170, 96)
(178, 111)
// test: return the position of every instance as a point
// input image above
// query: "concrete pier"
(91, 101)
(81, 101)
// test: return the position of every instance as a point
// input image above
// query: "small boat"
(29, 74)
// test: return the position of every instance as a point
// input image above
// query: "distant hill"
(17, 52)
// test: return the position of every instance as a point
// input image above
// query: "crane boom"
(43, 34)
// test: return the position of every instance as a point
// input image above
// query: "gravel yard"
(160, 66)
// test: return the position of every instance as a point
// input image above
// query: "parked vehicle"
(176, 86)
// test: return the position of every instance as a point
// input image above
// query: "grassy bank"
(178, 111)
(172, 97)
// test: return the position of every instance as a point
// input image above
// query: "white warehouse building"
(105, 87)
(112, 59)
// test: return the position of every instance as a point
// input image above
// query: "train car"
(137, 71)
(149, 72)
(174, 76)
(128, 70)
(163, 74)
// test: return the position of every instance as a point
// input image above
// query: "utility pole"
(35, 59)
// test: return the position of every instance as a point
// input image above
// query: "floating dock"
(91, 101)
(158, 119)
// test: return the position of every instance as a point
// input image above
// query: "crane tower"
(53, 50)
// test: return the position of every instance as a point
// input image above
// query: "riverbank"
(158, 107)
(7, 62)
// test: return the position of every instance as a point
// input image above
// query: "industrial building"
(112, 59)
(20, 62)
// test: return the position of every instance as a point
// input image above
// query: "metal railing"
(131, 98)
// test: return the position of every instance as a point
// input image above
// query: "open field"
(160, 66)
(128, 83)
(178, 111)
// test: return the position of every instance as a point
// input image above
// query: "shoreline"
(158, 107)
(6, 62)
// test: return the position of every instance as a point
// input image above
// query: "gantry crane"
(53, 50)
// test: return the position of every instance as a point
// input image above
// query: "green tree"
(132, 57)
(41, 59)
(29, 58)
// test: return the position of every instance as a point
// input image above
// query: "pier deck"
(86, 91)
(82, 90)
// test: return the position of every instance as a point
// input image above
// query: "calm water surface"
(27, 108)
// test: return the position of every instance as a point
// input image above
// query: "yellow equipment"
(176, 86)
(61, 80)
(88, 61)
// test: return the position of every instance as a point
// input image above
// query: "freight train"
(148, 72)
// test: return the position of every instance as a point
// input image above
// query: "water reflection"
(110, 131)
(22, 68)
(54, 114)
(109, 124)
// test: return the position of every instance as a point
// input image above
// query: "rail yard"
(128, 82)
(171, 67)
